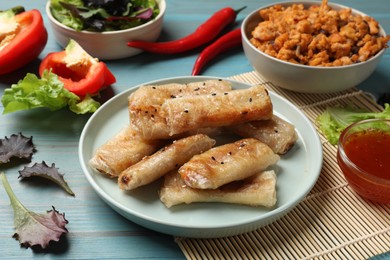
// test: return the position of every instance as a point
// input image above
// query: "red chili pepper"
(88, 78)
(228, 41)
(29, 40)
(205, 33)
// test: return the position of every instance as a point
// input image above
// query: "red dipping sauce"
(364, 157)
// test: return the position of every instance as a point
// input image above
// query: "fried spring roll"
(145, 104)
(151, 95)
(217, 109)
(163, 161)
(277, 133)
(226, 163)
(121, 151)
(257, 190)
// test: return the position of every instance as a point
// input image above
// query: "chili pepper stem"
(239, 10)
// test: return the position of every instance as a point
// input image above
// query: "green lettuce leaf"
(86, 105)
(335, 119)
(65, 16)
(48, 91)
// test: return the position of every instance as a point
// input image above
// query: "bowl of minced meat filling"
(313, 47)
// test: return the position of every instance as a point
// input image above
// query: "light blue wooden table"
(95, 230)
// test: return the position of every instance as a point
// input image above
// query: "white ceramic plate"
(297, 171)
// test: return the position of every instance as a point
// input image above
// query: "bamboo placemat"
(332, 222)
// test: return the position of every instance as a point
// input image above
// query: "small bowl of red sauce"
(364, 157)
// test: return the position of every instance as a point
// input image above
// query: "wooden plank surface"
(95, 230)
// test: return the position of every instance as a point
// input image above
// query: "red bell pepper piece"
(82, 79)
(29, 41)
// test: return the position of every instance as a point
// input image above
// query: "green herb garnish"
(103, 15)
(335, 119)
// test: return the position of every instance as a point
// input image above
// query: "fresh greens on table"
(48, 91)
(103, 15)
(335, 119)
(22, 147)
(32, 229)
(16, 146)
(48, 172)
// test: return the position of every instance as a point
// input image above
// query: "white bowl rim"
(354, 11)
(161, 4)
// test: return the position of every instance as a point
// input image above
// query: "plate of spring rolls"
(200, 156)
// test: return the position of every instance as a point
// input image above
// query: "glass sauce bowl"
(364, 158)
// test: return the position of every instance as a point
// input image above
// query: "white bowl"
(109, 45)
(304, 78)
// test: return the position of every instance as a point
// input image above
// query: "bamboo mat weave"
(332, 222)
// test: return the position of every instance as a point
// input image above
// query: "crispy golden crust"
(226, 163)
(121, 151)
(171, 157)
(257, 190)
(277, 133)
(217, 109)
(145, 104)
(193, 171)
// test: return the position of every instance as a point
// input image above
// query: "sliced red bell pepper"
(29, 39)
(80, 73)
